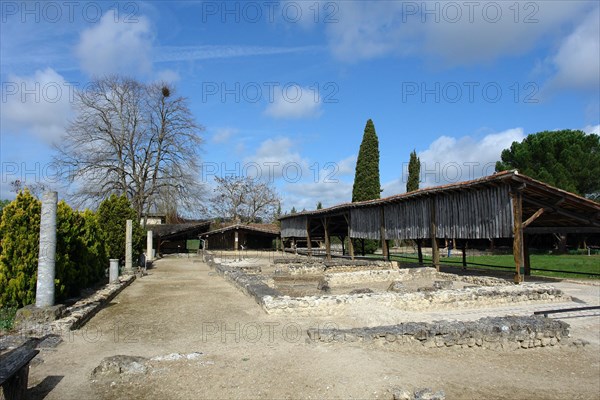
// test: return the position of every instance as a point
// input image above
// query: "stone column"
(129, 248)
(113, 276)
(44, 295)
(149, 247)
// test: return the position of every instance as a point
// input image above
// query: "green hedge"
(82, 250)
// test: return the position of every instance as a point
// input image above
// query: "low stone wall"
(306, 266)
(251, 285)
(499, 333)
(273, 302)
(417, 301)
(75, 316)
(406, 274)
(350, 278)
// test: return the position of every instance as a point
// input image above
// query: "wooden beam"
(558, 210)
(308, 242)
(561, 229)
(350, 244)
(420, 250)
(526, 258)
(535, 216)
(384, 245)
(325, 222)
(435, 251)
(517, 205)
(463, 249)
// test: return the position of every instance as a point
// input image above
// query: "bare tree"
(36, 188)
(244, 199)
(132, 138)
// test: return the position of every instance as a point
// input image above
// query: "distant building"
(177, 238)
(153, 219)
(241, 236)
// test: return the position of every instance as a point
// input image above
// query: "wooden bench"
(14, 372)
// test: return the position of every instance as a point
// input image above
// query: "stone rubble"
(497, 333)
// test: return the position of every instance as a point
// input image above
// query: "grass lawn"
(567, 262)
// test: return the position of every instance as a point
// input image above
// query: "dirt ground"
(184, 307)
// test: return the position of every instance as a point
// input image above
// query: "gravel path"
(183, 307)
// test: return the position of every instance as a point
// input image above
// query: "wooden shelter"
(238, 236)
(176, 238)
(504, 205)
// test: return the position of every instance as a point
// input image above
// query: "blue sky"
(288, 86)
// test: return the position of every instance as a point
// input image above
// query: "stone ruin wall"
(496, 333)
(417, 301)
(383, 275)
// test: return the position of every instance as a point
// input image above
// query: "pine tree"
(293, 211)
(367, 185)
(319, 205)
(414, 172)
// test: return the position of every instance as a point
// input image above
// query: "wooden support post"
(342, 238)
(420, 250)
(327, 241)
(384, 245)
(463, 248)
(526, 259)
(517, 205)
(308, 242)
(435, 251)
(350, 244)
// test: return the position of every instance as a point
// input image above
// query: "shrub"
(19, 247)
(112, 216)
(80, 251)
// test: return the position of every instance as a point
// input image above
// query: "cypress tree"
(367, 185)
(414, 172)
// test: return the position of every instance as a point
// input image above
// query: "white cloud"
(168, 76)
(366, 30)
(223, 135)
(589, 129)
(116, 46)
(302, 185)
(347, 166)
(307, 195)
(458, 33)
(38, 104)
(577, 61)
(276, 158)
(210, 52)
(449, 159)
(293, 101)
